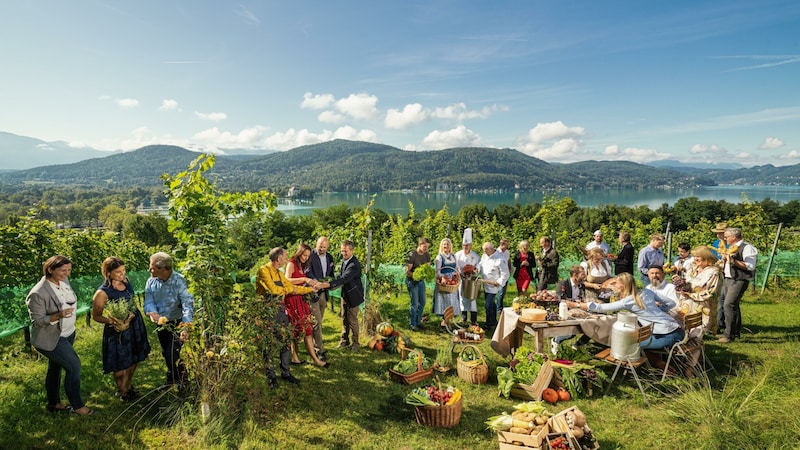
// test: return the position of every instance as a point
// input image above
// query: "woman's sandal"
(298, 363)
(88, 413)
(54, 409)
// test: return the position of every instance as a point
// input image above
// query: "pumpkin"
(563, 395)
(379, 345)
(384, 329)
(550, 396)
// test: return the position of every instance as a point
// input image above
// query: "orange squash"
(550, 396)
(563, 395)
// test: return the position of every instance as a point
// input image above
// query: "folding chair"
(692, 342)
(629, 364)
(451, 326)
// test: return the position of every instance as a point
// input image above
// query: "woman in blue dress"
(445, 263)
(125, 342)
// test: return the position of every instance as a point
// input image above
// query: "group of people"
(51, 308)
(309, 272)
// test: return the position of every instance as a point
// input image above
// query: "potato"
(578, 432)
(519, 430)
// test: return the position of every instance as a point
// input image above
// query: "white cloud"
(358, 106)
(127, 102)
(214, 116)
(711, 151)
(319, 101)
(460, 112)
(295, 138)
(639, 155)
(794, 154)
(411, 114)
(771, 143)
(214, 138)
(459, 136)
(330, 117)
(248, 16)
(168, 105)
(554, 141)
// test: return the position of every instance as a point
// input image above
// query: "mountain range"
(341, 166)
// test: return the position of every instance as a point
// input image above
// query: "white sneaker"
(554, 347)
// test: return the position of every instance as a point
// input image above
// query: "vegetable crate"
(416, 377)
(561, 423)
(474, 370)
(534, 392)
(517, 440)
(446, 416)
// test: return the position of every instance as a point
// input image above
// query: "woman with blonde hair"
(705, 285)
(445, 263)
(598, 270)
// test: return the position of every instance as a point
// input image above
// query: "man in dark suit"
(572, 288)
(321, 267)
(548, 264)
(352, 294)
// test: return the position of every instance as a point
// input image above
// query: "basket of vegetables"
(448, 282)
(436, 407)
(412, 370)
(472, 365)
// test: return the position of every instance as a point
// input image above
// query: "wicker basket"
(446, 416)
(447, 288)
(415, 377)
(477, 374)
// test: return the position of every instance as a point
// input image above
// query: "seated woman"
(598, 270)
(649, 307)
(705, 285)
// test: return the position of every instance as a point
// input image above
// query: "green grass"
(354, 404)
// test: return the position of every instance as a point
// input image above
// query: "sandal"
(298, 363)
(90, 412)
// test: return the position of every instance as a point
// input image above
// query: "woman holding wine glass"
(51, 307)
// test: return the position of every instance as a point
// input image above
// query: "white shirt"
(665, 290)
(494, 268)
(603, 246)
(463, 259)
(66, 295)
(749, 255)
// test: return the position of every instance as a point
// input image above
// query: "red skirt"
(299, 315)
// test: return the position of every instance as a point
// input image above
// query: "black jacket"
(350, 281)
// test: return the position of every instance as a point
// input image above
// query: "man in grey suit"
(321, 268)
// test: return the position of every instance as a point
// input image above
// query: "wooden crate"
(534, 392)
(528, 440)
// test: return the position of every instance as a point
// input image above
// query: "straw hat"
(720, 228)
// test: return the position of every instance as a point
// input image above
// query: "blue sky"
(562, 81)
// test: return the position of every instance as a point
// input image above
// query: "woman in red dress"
(524, 263)
(296, 307)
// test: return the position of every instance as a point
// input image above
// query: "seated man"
(655, 274)
(571, 289)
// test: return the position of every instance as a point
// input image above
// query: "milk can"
(623, 336)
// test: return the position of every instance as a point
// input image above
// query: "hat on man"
(720, 228)
(598, 233)
(467, 236)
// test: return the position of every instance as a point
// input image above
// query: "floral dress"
(704, 295)
(123, 349)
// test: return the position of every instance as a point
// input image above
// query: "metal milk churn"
(623, 336)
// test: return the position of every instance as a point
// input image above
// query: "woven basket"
(448, 288)
(412, 378)
(477, 374)
(446, 416)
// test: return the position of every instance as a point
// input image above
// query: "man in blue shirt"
(167, 301)
(650, 255)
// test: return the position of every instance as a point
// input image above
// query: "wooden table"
(510, 330)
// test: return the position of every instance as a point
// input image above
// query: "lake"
(397, 202)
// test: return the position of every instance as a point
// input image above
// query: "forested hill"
(342, 165)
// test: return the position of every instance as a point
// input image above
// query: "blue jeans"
(491, 310)
(63, 357)
(416, 290)
(659, 341)
(500, 296)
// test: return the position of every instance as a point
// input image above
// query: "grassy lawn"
(354, 405)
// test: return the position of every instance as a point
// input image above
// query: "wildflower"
(162, 320)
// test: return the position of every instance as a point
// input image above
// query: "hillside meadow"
(354, 404)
